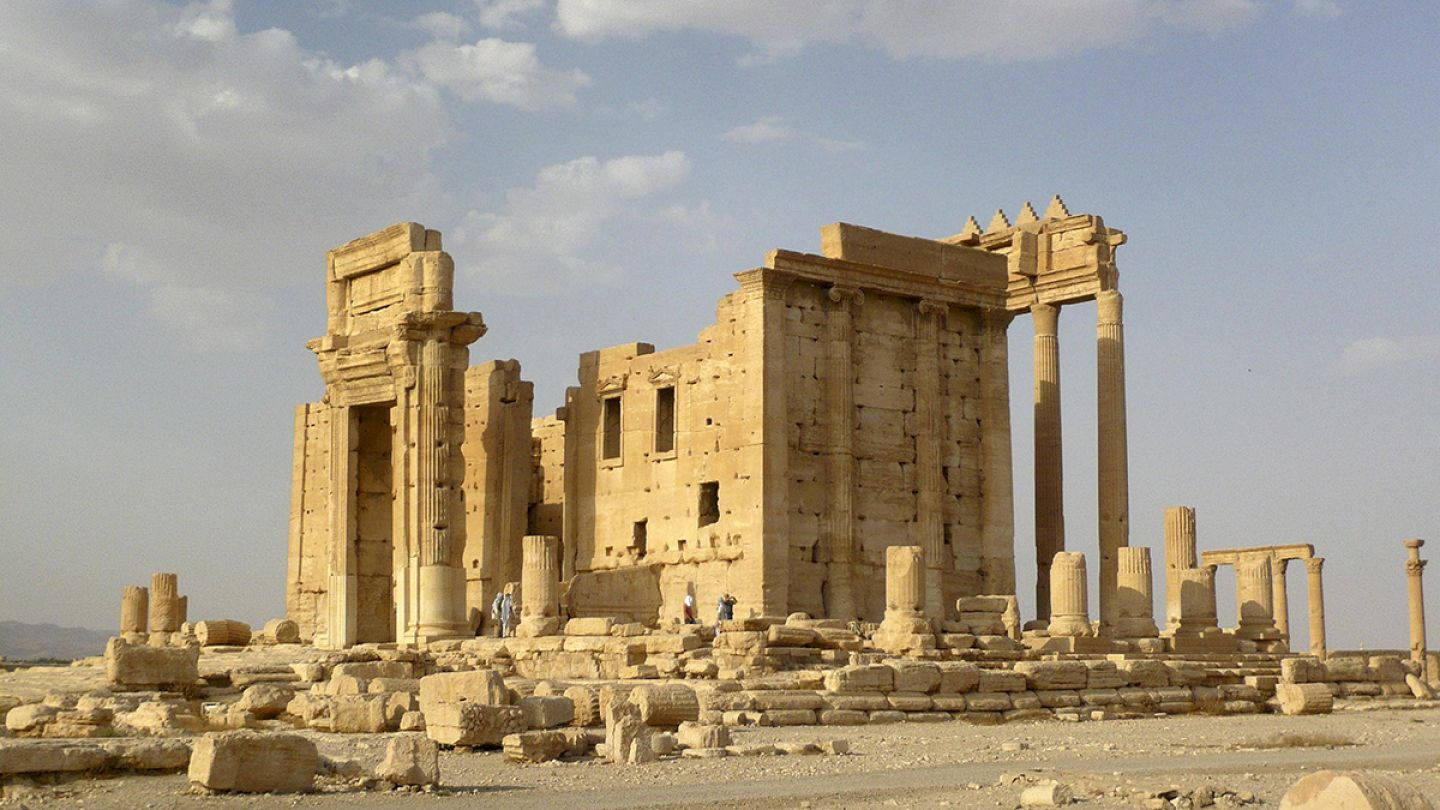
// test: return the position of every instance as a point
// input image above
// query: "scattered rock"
(1046, 794)
(252, 762)
(410, 759)
(1352, 790)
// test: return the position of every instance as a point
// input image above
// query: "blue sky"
(173, 174)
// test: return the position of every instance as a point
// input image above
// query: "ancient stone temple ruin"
(842, 403)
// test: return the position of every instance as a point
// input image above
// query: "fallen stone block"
(30, 719)
(860, 678)
(410, 759)
(147, 754)
(254, 762)
(696, 735)
(359, 714)
(550, 711)
(1046, 794)
(476, 686)
(1304, 698)
(667, 705)
(47, 756)
(1351, 790)
(136, 666)
(471, 723)
(222, 633)
(266, 700)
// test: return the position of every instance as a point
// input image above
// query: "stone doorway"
(374, 527)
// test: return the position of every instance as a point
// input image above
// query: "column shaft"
(1315, 605)
(1280, 599)
(1113, 456)
(1414, 571)
(164, 603)
(1134, 594)
(1180, 554)
(1049, 482)
(1069, 598)
(997, 518)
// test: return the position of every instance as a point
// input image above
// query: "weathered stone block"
(472, 723)
(476, 686)
(129, 665)
(861, 678)
(410, 759)
(252, 762)
(1053, 675)
(549, 711)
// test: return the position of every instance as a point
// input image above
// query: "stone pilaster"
(1315, 605)
(164, 603)
(930, 478)
(1414, 571)
(1069, 597)
(840, 421)
(1049, 480)
(1180, 554)
(135, 610)
(1134, 595)
(997, 510)
(1280, 597)
(540, 586)
(1113, 456)
(1254, 598)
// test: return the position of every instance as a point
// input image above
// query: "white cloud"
(442, 25)
(156, 147)
(773, 129)
(507, 15)
(765, 130)
(1322, 9)
(497, 71)
(545, 233)
(1371, 353)
(994, 30)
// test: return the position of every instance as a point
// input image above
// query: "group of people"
(502, 610)
(724, 608)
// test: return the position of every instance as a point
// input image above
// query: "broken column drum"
(1134, 596)
(1069, 601)
(135, 609)
(1254, 598)
(1195, 588)
(164, 603)
(904, 582)
(540, 582)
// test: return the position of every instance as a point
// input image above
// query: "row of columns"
(157, 609)
(1113, 464)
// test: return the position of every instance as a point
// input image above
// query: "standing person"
(730, 606)
(507, 613)
(720, 608)
(497, 607)
(689, 608)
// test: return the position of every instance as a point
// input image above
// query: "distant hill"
(29, 642)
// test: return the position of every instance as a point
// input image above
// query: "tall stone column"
(997, 509)
(1254, 598)
(1315, 605)
(1280, 598)
(1414, 570)
(134, 610)
(929, 478)
(164, 603)
(1180, 555)
(1049, 480)
(1196, 587)
(440, 610)
(840, 419)
(1069, 598)
(539, 586)
(1134, 595)
(1113, 455)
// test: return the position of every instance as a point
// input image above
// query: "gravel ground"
(1109, 764)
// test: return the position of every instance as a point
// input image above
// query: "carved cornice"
(664, 376)
(613, 384)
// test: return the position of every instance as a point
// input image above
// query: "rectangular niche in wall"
(709, 507)
(665, 419)
(610, 428)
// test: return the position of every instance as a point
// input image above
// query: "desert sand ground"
(1245, 761)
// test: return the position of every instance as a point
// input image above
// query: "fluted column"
(135, 610)
(1254, 600)
(1113, 456)
(1315, 605)
(1049, 481)
(539, 585)
(1134, 595)
(929, 478)
(1180, 555)
(441, 579)
(1414, 571)
(840, 419)
(1069, 599)
(164, 603)
(1196, 589)
(1280, 598)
